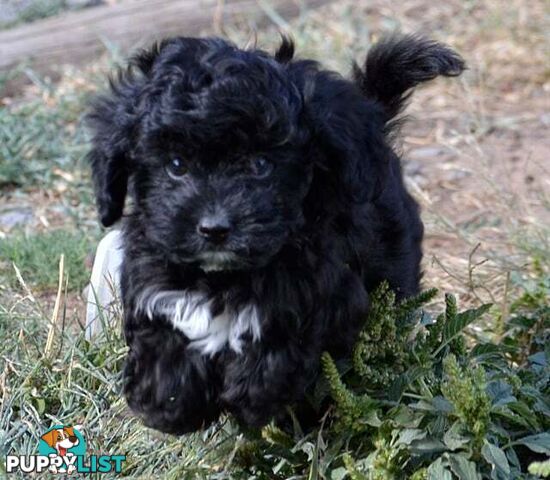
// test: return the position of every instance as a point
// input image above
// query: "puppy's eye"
(260, 167)
(176, 168)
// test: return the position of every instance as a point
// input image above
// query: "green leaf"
(512, 417)
(463, 468)
(403, 381)
(40, 405)
(436, 404)
(443, 405)
(542, 407)
(372, 419)
(462, 320)
(305, 446)
(333, 450)
(526, 413)
(539, 443)
(484, 349)
(397, 388)
(500, 393)
(408, 435)
(314, 468)
(455, 324)
(453, 437)
(500, 469)
(427, 445)
(513, 461)
(539, 359)
(437, 471)
(405, 417)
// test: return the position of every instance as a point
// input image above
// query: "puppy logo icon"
(62, 450)
(62, 444)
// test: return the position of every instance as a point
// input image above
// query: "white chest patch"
(190, 313)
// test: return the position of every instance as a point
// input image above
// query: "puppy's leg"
(263, 379)
(172, 388)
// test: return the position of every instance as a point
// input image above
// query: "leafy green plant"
(419, 401)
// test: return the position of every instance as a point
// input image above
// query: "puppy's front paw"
(259, 384)
(171, 389)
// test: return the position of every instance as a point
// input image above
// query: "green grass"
(37, 259)
(40, 137)
(79, 383)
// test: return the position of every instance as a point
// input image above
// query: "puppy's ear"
(112, 120)
(399, 63)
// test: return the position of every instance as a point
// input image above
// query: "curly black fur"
(265, 195)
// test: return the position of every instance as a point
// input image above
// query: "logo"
(62, 449)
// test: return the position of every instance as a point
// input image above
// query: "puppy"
(266, 203)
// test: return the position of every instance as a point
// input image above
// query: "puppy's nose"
(73, 439)
(214, 229)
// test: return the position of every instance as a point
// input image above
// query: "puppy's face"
(219, 169)
(234, 211)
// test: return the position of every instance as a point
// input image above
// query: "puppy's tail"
(399, 63)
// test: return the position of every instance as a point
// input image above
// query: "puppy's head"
(212, 140)
(229, 153)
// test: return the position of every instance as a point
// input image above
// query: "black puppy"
(266, 203)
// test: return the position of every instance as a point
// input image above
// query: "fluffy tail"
(399, 63)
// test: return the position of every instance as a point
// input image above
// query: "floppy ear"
(50, 437)
(112, 120)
